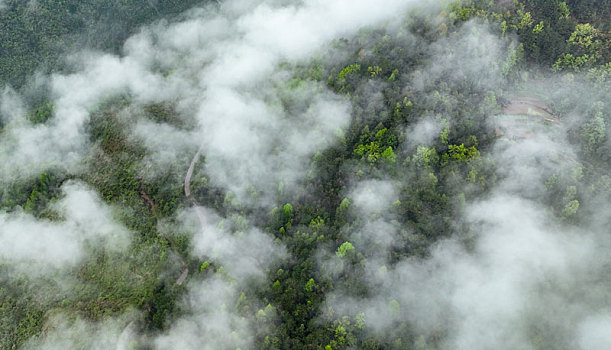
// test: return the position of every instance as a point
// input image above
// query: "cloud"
(237, 93)
(515, 274)
(225, 69)
(11, 105)
(220, 60)
(523, 275)
(593, 332)
(424, 133)
(66, 332)
(39, 246)
(212, 322)
(240, 258)
(27, 149)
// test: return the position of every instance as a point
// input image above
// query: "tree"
(585, 46)
(570, 209)
(593, 134)
(344, 249)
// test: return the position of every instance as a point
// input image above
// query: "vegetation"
(434, 179)
(35, 34)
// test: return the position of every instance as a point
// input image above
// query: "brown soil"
(530, 106)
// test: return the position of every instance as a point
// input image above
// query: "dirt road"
(198, 209)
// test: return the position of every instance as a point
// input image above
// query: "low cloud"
(39, 246)
(67, 332)
(515, 274)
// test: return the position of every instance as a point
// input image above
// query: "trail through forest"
(198, 209)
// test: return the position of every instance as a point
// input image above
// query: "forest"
(260, 174)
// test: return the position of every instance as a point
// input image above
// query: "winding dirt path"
(189, 174)
(198, 208)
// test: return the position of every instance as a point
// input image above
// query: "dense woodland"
(390, 87)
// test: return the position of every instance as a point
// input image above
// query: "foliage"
(434, 178)
(344, 249)
(35, 34)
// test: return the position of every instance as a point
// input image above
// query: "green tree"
(593, 134)
(344, 249)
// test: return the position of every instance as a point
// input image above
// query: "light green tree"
(585, 47)
(344, 249)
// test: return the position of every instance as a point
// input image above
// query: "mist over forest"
(262, 174)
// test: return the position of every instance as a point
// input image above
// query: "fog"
(514, 274)
(37, 247)
(517, 275)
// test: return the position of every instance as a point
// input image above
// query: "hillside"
(305, 174)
